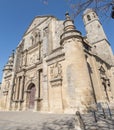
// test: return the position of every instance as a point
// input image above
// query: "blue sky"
(17, 15)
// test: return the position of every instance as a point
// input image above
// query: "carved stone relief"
(56, 75)
(56, 71)
(33, 58)
(35, 38)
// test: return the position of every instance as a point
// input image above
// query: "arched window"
(88, 17)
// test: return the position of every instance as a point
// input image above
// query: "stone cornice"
(100, 41)
(7, 76)
(70, 34)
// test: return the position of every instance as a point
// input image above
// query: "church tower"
(96, 36)
(94, 30)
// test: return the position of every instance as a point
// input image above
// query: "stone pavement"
(36, 121)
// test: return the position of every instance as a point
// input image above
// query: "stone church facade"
(55, 69)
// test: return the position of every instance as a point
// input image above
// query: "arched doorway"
(31, 96)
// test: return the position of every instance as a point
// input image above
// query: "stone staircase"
(89, 121)
(99, 120)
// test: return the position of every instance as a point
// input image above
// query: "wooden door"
(32, 97)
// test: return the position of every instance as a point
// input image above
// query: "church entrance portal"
(31, 96)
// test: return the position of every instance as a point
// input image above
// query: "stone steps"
(101, 123)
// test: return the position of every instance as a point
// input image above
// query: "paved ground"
(35, 121)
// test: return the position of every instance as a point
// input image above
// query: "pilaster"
(21, 92)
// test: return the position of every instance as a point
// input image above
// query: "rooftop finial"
(67, 16)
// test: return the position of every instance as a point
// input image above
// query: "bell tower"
(96, 36)
(93, 27)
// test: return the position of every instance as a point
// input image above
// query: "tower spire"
(67, 16)
(69, 29)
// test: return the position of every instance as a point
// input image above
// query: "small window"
(88, 17)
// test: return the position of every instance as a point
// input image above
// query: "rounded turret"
(75, 64)
(10, 62)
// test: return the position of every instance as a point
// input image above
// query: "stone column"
(39, 50)
(18, 92)
(26, 53)
(25, 100)
(21, 87)
(21, 91)
(15, 98)
(14, 89)
(17, 88)
(37, 93)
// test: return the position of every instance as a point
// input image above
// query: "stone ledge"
(38, 99)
